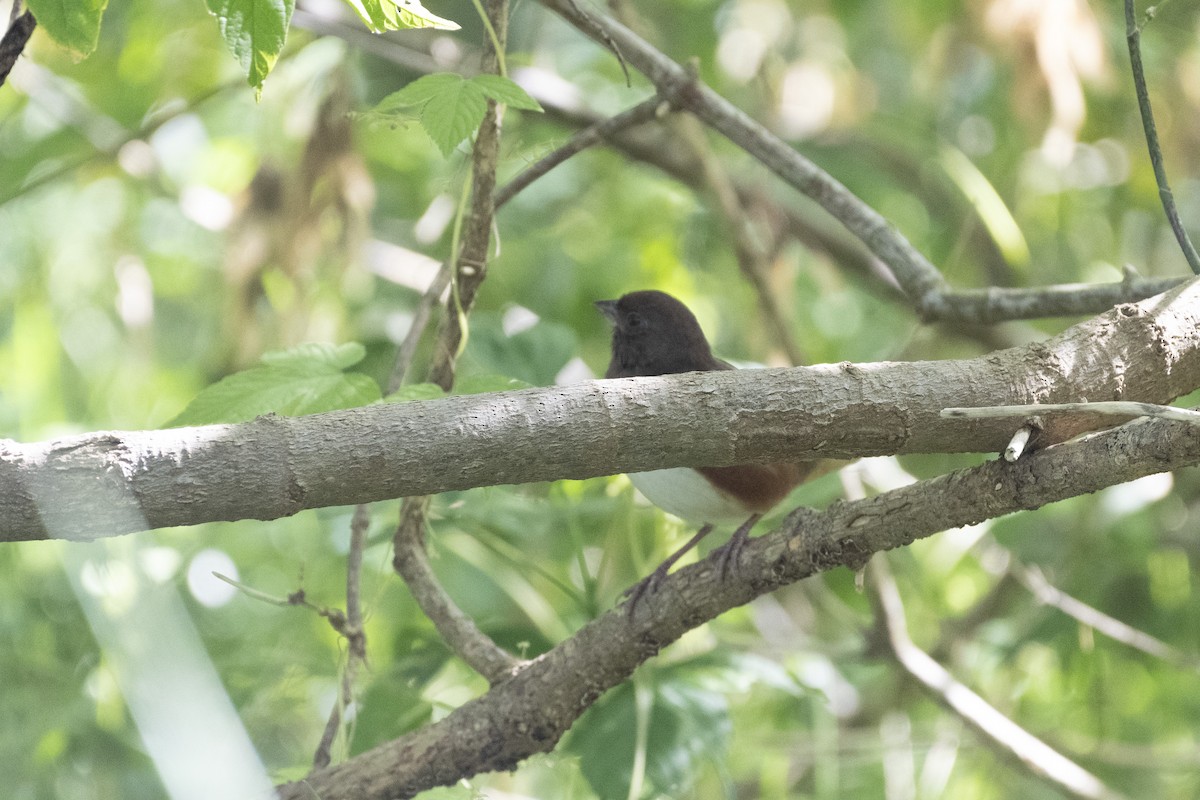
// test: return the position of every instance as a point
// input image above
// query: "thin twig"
(20, 28)
(924, 285)
(456, 628)
(751, 257)
(421, 316)
(1111, 408)
(599, 32)
(356, 638)
(1133, 37)
(1007, 736)
(1047, 594)
(591, 135)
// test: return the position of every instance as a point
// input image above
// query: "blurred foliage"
(163, 230)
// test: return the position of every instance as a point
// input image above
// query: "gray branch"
(103, 484)
(530, 712)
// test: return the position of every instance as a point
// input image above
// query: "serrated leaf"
(503, 90)
(338, 356)
(406, 14)
(418, 92)
(451, 116)
(290, 384)
(74, 24)
(254, 31)
(415, 391)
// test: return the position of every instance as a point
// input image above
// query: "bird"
(655, 334)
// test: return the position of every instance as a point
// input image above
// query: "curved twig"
(1133, 36)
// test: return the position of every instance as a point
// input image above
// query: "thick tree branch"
(530, 712)
(103, 484)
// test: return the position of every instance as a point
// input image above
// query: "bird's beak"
(609, 309)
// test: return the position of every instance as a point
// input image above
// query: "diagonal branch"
(1006, 736)
(1048, 594)
(921, 281)
(589, 136)
(529, 713)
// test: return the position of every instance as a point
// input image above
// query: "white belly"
(688, 495)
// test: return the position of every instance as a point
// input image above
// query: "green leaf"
(371, 13)
(419, 92)
(74, 24)
(534, 356)
(451, 116)
(689, 728)
(448, 106)
(306, 380)
(255, 31)
(392, 15)
(503, 90)
(338, 356)
(405, 14)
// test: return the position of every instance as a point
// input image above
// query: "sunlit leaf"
(74, 24)
(402, 14)
(254, 31)
(391, 15)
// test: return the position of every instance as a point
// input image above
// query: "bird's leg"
(732, 551)
(652, 581)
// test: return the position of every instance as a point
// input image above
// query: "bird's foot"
(729, 554)
(651, 582)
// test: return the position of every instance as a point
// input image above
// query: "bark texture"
(104, 484)
(529, 713)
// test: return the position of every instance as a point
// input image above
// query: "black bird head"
(655, 334)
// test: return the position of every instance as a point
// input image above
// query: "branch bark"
(530, 712)
(103, 484)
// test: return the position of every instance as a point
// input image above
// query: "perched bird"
(655, 334)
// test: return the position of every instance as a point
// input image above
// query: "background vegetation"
(162, 228)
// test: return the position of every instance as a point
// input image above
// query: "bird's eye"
(634, 321)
